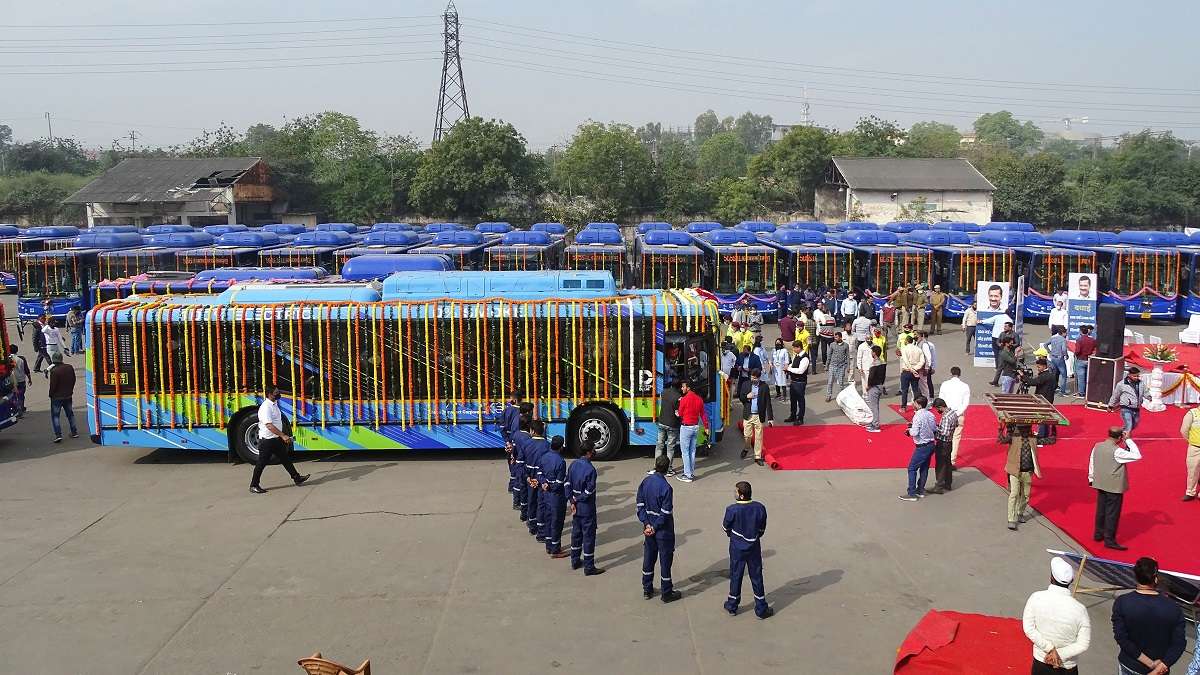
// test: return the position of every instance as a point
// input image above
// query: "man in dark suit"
(755, 396)
(746, 361)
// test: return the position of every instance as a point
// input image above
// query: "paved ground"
(134, 560)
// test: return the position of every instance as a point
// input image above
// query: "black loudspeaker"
(1103, 375)
(1110, 331)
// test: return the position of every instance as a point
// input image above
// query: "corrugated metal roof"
(161, 180)
(894, 173)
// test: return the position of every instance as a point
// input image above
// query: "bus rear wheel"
(601, 426)
(244, 437)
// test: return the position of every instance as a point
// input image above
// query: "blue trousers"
(1060, 365)
(583, 536)
(513, 482)
(908, 382)
(556, 514)
(531, 508)
(742, 561)
(64, 405)
(77, 342)
(918, 469)
(661, 546)
(1131, 417)
(1081, 377)
(543, 514)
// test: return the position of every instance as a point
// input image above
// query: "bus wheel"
(601, 426)
(244, 436)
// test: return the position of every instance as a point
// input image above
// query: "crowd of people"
(50, 349)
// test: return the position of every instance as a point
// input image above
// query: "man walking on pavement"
(1108, 476)
(39, 345)
(755, 396)
(876, 375)
(552, 477)
(957, 395)
(798, 378)
(21, 376)
(839, 364)
(923, 430)
(61, 389)
(1127, 399)
(272, 441)
(581, 485)
(1021, 465)
(655, 501)
(745, 524)
(668, 425)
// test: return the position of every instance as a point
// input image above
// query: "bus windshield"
(823, 269)
(740, 272)
(201, 262)
(967, 269)
(670, 271)
(499, 261)
(49, 276)
(1134, 271)
(1051, 271)
(890, 269)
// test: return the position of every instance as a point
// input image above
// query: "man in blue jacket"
(581, 484)
(510, 424)
(745, 524)
(655, 500)
(534, 449)
(520, 484)
(552, 477)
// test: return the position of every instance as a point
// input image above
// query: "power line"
(208, 61)
(229, 68)
(876, 74)
(382, 30)
(209, 48)
(213, 23)
(452, 95)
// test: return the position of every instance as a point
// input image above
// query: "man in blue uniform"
(520, 445)
(534, 449)
(510, 424)
(745, 524)
(655, 500)
(553, 480)
(581, 484)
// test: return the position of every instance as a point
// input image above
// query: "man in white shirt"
(53, 337)
(860, 331)
(930, 352)
(1056, 623)
(272, 441)
(957, 395)
(1107, 474)
(1058, 317)
(863, 360)
(849, 307)
(912, 363)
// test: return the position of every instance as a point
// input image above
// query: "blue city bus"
(523, 250)
(1189, 277)
(804, 225)
(651, 226)
(740, 269)
(1046, 266)
(309, 249)
(382, 242)
(424, 362)
(435, 228)
(348, 228)
(552, 229)
(904, 226)
(955, 226)
(167, 228)
(233, 249)
(700, 227)
(960, 264)
(756, 226)
(809, 260)
(218, 230)
(1139, 270)
(287, 231)
(1007, 226)
(494, 229)
(378, 267)
(853, 226)
(204, 281)
(665, 259)
(15, 241)
(395, 227)
(602, 226)
(157, 253)
(53, 281)
(881, 264)
(465, 247)
(597, 250)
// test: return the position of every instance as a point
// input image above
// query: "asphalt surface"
(136, 560)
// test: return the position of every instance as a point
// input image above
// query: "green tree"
(38, 196)
(682, 190)
(931, 139)
(6, 137)
(1002, 129)
(871, 137)
(60, 155)
(1030, 188)
(723, 155)
(754, 130)
(607, 164)
(792, 168)
(707, 124)
(738, 199)
(478, 163)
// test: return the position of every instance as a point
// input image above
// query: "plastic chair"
(316, 665)
(1191, 334)
(1155, 340)
(1139, 338)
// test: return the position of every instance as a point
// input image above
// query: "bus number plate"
(117, 378)
(1146, 315)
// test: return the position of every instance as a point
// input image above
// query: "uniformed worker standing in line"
(745, 524)
(520, 442)
(510, 424)
(655, 500)
(581, 486)
(553, 479)
(534, 449)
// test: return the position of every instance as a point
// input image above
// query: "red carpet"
(1153, 522)
(953, 643)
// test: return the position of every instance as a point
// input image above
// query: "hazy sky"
(169, 70)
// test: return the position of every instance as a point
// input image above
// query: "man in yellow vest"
(1191, 431)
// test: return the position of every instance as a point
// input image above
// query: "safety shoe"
(672, 596)
(257, 490)
(593, 571)
(767, 613)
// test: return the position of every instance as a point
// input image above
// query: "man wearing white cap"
(1056, 623)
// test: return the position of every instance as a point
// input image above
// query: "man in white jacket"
(863, 360)
(1056, 623)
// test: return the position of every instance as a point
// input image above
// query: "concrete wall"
(829, 204)
(879, 205)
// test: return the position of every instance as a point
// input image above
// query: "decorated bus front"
(157, 254)
(881, 264)
(741, 269)
(596, 249)
(53, 281)
(810, 261)
(666, 259)
(309, 249)
(960, 264)
(524, 251)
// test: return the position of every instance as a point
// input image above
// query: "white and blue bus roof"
(949, 241)
(876, 241)
(756, 226)
(732, 241)
(804, 225)
(365, 267)
(667, 242)
(457, 242)
(598, 241)
(93, 243)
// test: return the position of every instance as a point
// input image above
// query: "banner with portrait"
(1081, 302)
(991, 301)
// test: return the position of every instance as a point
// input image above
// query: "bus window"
(700, 353)
(48, 276)
(744, 272)
(1158, 271)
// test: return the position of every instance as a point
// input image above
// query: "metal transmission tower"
(452, 98)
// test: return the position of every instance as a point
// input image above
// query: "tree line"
(726, 169)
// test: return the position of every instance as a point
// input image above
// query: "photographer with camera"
(1044, 382)
(1007, 366)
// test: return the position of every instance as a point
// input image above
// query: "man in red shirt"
(1085, 346)
(787, 327)
(691, 414)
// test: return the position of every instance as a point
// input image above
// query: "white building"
(880, 188)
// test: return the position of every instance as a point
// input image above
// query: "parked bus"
(287, 231)
(382, 242)
(740, 269)
(853, 226)
(756, 226)
(804, 225)
(643, 228)
(466, 248)
(9, 408)
(233, 249)
(377, 267)
(955, 226)
(882, 264)
(1046, 266)
(1189, 277)
(309, 249)
(53, 281)
(597, 250)
(808, 260)
(157, 253)
(553, 229)
(494, 229)
(204, 281)
(667, 259)
(223, 229)
(522, 251)
(700, 227)
(348, 228)
(15, 241)
(395, 227)
(167, 228)
(904, 226)
(1140, 270)
(959, 265)
(436, 228)
(602, 226)
(424, 363)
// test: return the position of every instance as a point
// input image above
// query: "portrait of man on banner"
(1081, 302)
(992, 297)
(991, 301)
(1081, 286)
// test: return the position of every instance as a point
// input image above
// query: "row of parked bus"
(1152, 273)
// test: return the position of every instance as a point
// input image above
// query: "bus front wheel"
(601, 426)
(244, 437)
